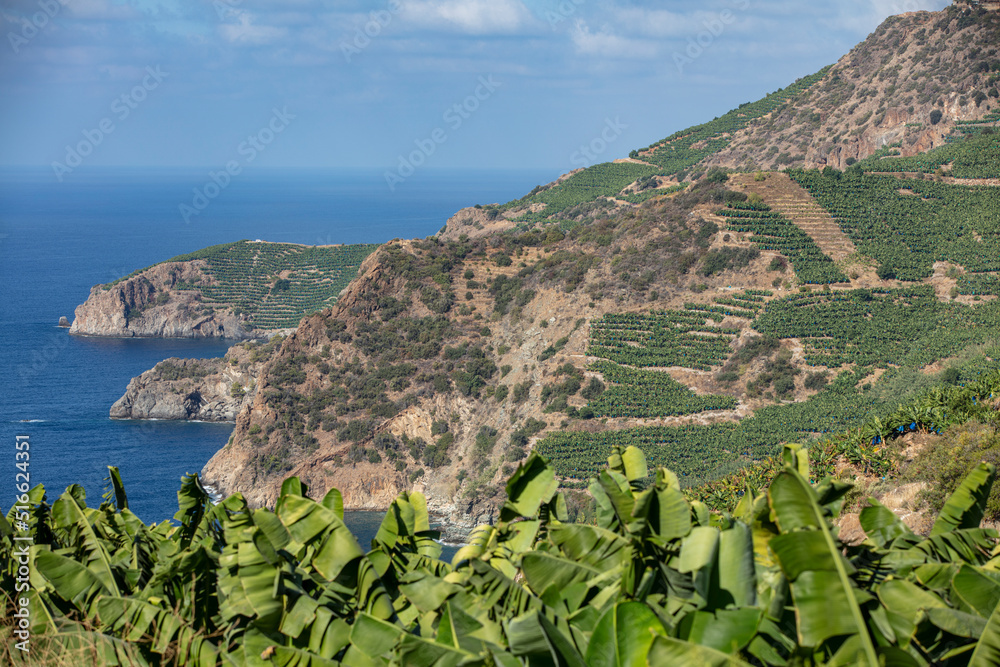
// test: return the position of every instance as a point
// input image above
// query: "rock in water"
(64, 322)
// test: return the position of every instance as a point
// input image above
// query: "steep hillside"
(234, 290)
(706, 322)
(918, 82)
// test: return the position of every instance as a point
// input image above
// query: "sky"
(390, 83)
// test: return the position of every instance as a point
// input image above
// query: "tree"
(936, 116)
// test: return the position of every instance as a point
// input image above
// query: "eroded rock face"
(149, 305)
(212, 390)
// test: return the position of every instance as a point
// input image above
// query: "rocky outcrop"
(150, 305)
(213, 390)
(892, 89)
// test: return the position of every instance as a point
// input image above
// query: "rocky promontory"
(240, 290)
(212, 390)
(151, 305)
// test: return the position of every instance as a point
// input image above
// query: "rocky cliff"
(212, 390)
(909, 83)
(437, 368)
(150, 305)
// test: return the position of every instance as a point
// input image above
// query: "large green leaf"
(117, 488)
(826, 603)
(623, 636)
(533, 483)
(881, 524)
(634, 464)
(669, 651)
(666, 512)
(966, 506)
(68, 515)
(728, 630)
(737, 574)
(542, 570)
(978, 589)
(987, 653)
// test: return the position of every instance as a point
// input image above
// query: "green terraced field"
(244, 276)
(878, 327)
(669, 157)
(773, 231)
(907, 225)
(661, 338)
(650, 394)
(677, 152)
(977, 156)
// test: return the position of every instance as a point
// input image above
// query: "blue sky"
(469, 83)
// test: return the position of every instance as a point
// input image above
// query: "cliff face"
(149, 305)
(437, 368)
(212, 390)
(883, 92)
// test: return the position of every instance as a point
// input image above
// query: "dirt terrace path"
(795, 203)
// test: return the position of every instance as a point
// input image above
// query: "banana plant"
(656, 580)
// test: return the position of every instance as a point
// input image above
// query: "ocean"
(57, 239)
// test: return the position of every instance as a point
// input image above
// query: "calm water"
(59, 239)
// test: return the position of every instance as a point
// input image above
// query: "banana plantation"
(655, 580)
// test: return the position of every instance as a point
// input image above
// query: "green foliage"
(908, 231)
(727, 259)
(677, 152)
(246, 276)
(773, 231)
(976, 156)
(602, 180)
(655, 579)
(660, 338)
(182, 370)
(944, 465)
(649, 394)
(878, 327)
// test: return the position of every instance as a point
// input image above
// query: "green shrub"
(945, 463)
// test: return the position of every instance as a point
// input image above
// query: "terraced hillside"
(792, 201)
(705, 324)
(235, 290)
(274, 284)
(923, 80)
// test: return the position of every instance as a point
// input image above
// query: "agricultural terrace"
(900, 330)
(673, 156)
(978, 156)
(908, 225)
(275, 284)
(773, 231)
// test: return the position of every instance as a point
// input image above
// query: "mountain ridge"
(448, 359)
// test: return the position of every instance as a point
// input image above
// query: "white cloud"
(468, 16)
(245, 32)
(101, 10)
(606, 44)
(657, 22)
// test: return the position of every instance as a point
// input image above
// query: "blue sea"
(57, 239)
